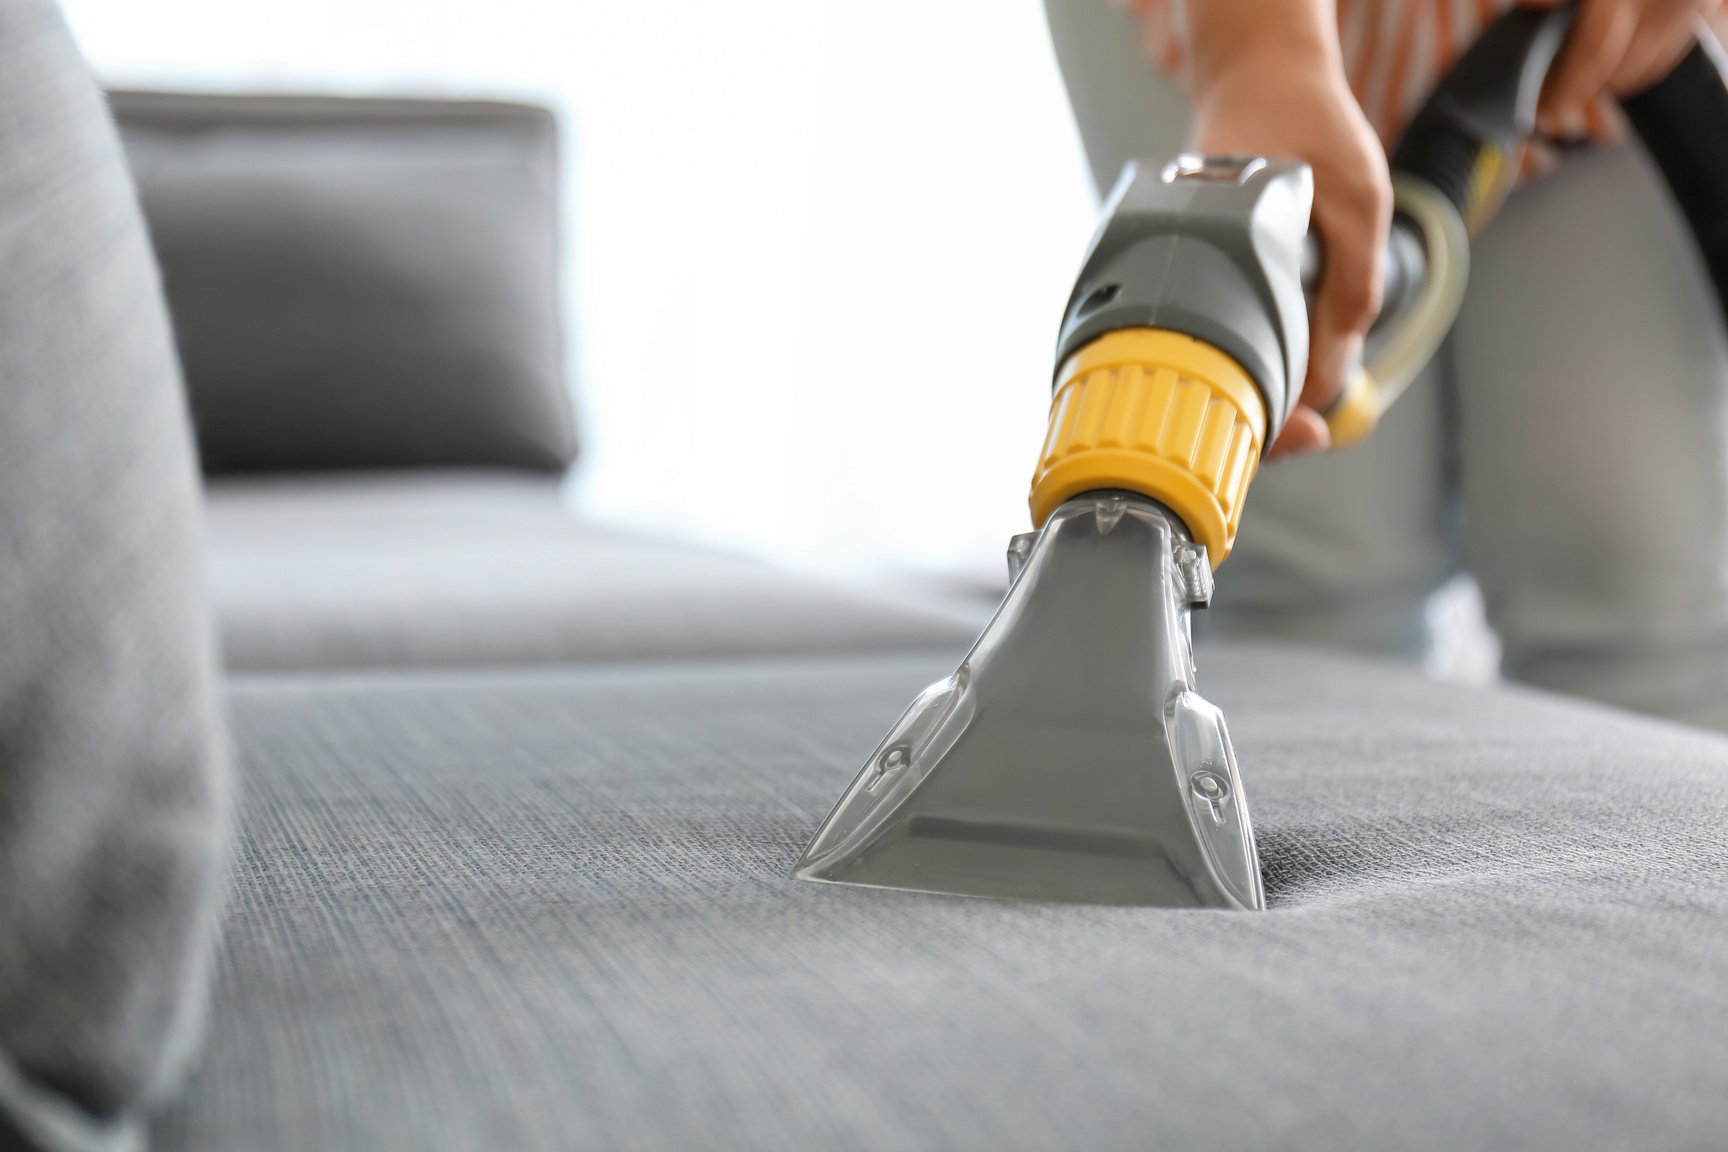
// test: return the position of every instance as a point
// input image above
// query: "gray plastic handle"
(1209, 246)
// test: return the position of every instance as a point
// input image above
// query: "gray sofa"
(549, 908)
(518, 798)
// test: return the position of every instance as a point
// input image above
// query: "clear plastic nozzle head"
(1069, 757)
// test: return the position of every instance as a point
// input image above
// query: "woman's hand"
(1275, 86)
(1616, 48)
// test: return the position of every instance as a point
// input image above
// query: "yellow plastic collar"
(1158, 413)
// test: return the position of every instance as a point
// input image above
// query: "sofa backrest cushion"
(359, 282)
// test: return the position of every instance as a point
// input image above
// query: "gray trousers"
(1567, 448)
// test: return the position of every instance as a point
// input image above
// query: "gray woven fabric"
(552, 912)
(111, 763)
(398, 570)
(359, 283)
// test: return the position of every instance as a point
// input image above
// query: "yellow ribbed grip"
(1161, 414)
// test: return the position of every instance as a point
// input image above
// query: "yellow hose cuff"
(1355, 412)
(1161, 414)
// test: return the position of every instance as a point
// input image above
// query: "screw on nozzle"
(1019, 551)
(1195, 568)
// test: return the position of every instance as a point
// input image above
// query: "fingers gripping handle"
(1185, 339)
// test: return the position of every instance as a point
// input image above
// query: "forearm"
(1267, 78)
(1225, 34)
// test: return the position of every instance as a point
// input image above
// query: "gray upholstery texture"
(395, 570)
(112, 761)
(359, 283)
(550, 911)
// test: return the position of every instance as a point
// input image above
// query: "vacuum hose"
(1435, 291)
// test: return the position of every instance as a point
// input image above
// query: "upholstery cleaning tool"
(1071, 756)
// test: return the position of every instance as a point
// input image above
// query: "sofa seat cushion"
(551, 910)
(382, 570)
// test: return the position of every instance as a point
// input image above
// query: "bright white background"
(817, 248)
